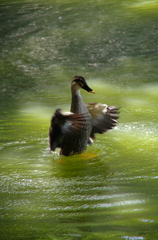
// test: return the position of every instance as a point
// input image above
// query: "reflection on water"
(110, 191)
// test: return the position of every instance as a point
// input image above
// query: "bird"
(72, 131)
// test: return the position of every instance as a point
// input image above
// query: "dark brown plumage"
(72, 131)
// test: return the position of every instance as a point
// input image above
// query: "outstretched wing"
(104, 118)
(64, 125)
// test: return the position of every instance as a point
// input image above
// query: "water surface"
(110, 191)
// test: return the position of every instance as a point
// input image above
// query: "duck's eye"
(81, 84)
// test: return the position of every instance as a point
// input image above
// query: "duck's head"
(79, 82)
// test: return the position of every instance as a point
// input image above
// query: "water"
(110, 191)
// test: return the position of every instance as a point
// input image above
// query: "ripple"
(117, 204)
(132, 238)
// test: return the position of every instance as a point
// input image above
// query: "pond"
(110, 191)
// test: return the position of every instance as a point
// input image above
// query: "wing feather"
(64, 125)
(104, 118)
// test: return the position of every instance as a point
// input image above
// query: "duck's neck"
(77, 104)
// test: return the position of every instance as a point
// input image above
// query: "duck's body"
(72, 131)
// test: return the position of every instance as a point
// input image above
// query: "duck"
(72, 131)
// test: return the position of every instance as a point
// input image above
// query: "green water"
(111, 191)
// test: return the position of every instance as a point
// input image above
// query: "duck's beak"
(92, 91)
(88, 89)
